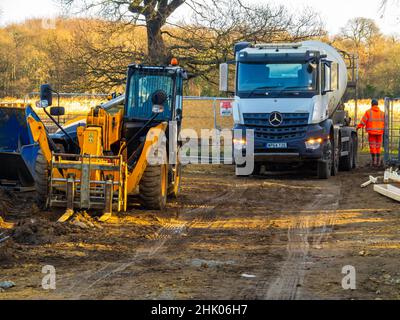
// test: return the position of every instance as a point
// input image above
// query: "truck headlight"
(314, 144)
(239, 143)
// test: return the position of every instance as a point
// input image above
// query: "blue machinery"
(18, 151)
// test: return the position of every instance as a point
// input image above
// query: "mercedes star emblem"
(275, 119)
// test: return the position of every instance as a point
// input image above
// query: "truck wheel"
(153, 187)
(355, 151)
(335, 159)
(324, 167)
(41, 180)
(257, 169)
(324, 170)
(346, 163)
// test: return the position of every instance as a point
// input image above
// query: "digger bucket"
(18, 151)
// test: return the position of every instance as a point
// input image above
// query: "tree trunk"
(158, 54)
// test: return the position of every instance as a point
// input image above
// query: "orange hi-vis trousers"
(375, 143)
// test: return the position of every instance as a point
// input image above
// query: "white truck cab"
(289, 94)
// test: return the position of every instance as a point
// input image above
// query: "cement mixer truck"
(291, 97)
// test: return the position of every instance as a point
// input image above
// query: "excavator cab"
(153, 98)
(153, 93)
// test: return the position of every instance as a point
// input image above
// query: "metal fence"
(198, 113)
(51, 127)
(201, 113)
(392, 132)
(205, 113)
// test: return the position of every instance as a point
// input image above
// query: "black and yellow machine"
(121, 148)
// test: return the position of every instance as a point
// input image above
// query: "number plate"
(276, 145)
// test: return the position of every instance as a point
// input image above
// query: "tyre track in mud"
(90, 279)
(207, 215)
(305, 232)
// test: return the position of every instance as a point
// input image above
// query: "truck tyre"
(355, 151)
(324, 170)
(324, 167)
(41, 180)
(335, 158)
(346, 162)
(257, 169)
(153, 187)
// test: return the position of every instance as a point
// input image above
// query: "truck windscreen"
(256, 78)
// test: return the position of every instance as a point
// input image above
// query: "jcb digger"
(122, 147)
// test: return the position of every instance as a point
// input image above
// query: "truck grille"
(294, 126)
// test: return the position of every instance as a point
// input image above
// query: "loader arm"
(153, 138)
(39, 135)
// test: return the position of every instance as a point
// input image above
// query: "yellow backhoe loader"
(123, 147)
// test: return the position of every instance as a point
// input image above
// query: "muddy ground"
(271, 237)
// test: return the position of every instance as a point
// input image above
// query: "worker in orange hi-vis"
(374, 122)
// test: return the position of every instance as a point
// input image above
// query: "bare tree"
(220, 16)
(361, 31)
(154, 13)
(201, 41)
(98, 54)
(207, 39)
(385, 4)
(390, 8)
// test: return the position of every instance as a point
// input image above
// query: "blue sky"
(334, 16)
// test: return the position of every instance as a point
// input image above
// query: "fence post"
(217, 147)
(386, 134)
(215, 113)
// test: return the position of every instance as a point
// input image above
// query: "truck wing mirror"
(328, 79)
(46, 96)
(223, 77)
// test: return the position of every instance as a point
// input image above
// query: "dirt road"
(275, 237)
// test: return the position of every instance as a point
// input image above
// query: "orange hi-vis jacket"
(374, 121)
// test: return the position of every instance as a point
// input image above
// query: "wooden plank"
(388, 190)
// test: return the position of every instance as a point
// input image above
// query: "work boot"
(373, 160)
(378, 161)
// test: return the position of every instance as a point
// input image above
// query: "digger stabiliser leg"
(91, 182)
(70, 200)
(108, 201)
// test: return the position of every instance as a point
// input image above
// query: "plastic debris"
(372, 180)
(6, 285)
(391, 175)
